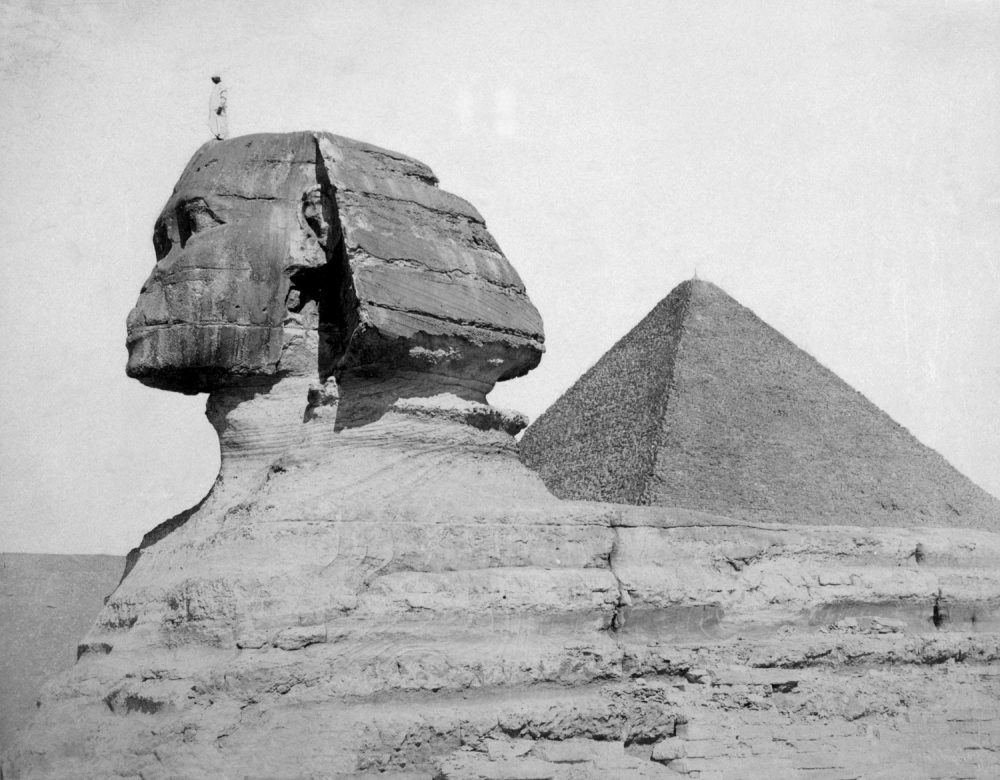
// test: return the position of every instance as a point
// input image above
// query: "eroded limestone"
(311, 254)
(376, 585)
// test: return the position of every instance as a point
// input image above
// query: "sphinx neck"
(259, 423)
(255, 425)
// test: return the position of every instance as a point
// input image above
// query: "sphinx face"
(215, 310)
(314, 255)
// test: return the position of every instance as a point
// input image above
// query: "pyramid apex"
(696, 284)
(703, 405)
(697, 281)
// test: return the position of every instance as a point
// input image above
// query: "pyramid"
(704, 406)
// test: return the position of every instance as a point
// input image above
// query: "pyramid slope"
(586, 447)
(750, 426)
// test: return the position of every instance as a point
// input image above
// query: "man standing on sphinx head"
(217, 107)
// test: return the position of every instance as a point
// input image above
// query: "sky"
(834, 166)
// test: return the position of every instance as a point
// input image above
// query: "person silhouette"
(217, 110)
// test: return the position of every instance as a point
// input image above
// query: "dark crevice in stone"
(339, 309)
(244, 196)
(92, 648)
(940, 612)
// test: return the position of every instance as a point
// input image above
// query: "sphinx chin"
(194, 358)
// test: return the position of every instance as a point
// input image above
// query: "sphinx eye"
(161, 239)
(193, 216)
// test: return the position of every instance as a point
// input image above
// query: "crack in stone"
(381, 196)
(623, 603)
(407, 262)
(459, 321)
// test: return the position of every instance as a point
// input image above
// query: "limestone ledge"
(404, 596)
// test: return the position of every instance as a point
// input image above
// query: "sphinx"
(376, 585)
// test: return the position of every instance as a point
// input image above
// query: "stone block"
(297, 637)
(696, 731)
(478, 766)
(668, 750)
(509, 748)
(576, 750)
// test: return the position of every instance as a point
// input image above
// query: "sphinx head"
(231, 238)
(311, 255)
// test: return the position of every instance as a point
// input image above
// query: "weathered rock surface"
(408, 598)
(47, 602)
(703, 405)
(377, 586)
(276, 247)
